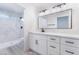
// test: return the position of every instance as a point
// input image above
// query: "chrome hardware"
(69, 52)
(69, 42)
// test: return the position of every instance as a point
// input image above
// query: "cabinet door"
(42, 46)
(38, 43)
(32, 42)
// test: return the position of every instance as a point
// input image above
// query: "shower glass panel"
(9, 28)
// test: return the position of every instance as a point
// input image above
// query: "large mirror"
(59, 20)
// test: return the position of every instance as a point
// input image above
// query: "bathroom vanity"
(54, 44)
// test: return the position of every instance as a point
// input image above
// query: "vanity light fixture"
(43, 10)
(59, 5)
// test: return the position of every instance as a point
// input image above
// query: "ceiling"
(19, 7)
(38, 6)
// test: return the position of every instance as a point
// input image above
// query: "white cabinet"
(53, 48)
(53, 39)
(42, 46)
(53, 44)
(69, 46)
(32, 42)
(38, 43)
(70, 41)
(69, 50)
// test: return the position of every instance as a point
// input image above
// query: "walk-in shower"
(11, 31)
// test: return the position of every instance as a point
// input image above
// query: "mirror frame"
(55, 13)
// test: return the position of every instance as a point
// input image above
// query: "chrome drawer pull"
(69, 52)
(52, 46)
(36, 42)
(69, 42)
(53, 39)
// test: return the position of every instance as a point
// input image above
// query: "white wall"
(30, 22)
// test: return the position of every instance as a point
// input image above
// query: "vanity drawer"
(37, 36)
(53, 53)
(70, 42)
(67, 50)
(32, 36)
(53, 47)
(53, 39)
